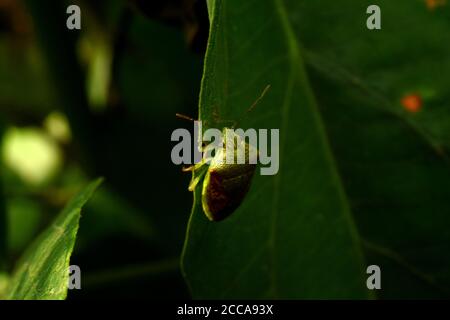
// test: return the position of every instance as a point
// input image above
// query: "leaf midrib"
(297, 62)
(297, 66)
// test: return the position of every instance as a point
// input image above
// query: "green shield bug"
(225, 184)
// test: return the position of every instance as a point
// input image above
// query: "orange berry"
(412, 102)
(433, 4)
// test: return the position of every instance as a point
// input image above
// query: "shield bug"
(225, 184)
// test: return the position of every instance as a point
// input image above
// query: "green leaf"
(43, 272)
(293, 236)
(394, 163)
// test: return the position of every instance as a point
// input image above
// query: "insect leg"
(198, 175)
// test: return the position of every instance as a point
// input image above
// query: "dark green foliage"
(364, 178)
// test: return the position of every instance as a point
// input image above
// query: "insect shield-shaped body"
(227, 182)
(227, 177)
(227, 173)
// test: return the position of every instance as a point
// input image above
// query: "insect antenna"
(263, 93)
(182, 116)
(254, 104)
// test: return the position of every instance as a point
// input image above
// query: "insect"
(225, 185)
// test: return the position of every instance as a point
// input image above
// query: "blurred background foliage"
(100, 101)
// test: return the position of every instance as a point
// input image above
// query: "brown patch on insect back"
(216, 197)
(225, 194)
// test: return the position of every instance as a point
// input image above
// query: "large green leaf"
(43, 272)
(293, 236)
(394, 163)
